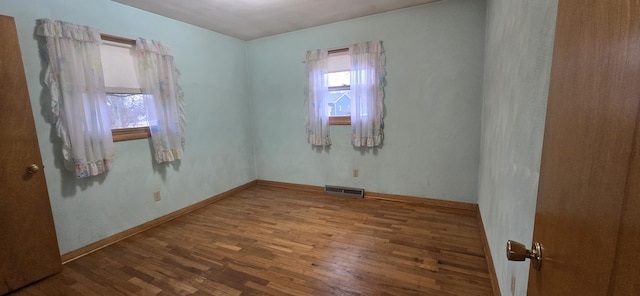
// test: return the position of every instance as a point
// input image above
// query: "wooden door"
(588, 210)
(28, 244)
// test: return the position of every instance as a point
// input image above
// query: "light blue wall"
(245, 115)
(519, 47)
(433, 104)
(219, 148)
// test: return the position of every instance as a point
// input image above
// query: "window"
(128, 107)
(345, 86)
(339, 80)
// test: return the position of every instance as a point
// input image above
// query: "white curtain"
(316, 91)
(367, 92)
(158, 78)
(78, 99)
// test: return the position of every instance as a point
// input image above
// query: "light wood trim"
(487, 255)
(124, 134)
(377, 195)
(421, 200)
(73, 255)
(338, 50)
(340, 120)
(292, 186)
(247, 244)
(118, 39)
(338, 88)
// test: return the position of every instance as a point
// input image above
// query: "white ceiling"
(251, 19)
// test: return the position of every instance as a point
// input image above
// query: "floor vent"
(344, 191)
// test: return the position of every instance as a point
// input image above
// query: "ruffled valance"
(61, 29)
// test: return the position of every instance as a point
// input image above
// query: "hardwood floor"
(273, 241)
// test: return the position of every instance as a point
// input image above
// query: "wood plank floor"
(271, 241)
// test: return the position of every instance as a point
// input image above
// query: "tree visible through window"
(129, 119)
(127, 110)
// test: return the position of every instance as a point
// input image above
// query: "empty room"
(295, 147)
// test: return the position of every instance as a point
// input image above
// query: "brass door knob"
(32, 169)
(518, 252)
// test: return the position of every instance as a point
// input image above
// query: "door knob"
(32, 169)
(518, 252)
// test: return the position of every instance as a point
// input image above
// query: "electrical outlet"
(156, 196)
(355, 173)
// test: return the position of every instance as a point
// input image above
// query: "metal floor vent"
(344, 191)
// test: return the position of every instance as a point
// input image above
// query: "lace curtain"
(367, 74)
(158, 78)
(78, 99)
(316, 91)
(367, 92)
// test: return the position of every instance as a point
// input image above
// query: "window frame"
(343, 119)
(131, 133)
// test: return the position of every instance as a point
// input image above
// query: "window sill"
(340, 120)
(125, 134)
